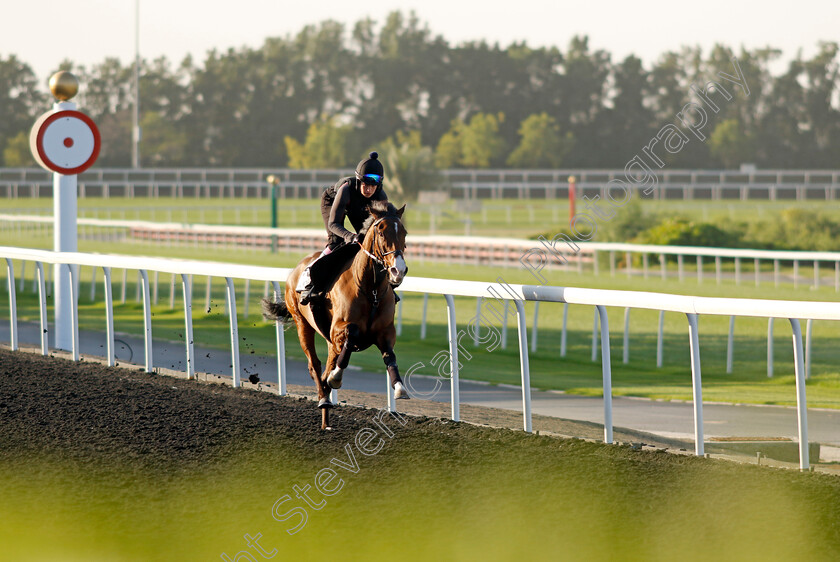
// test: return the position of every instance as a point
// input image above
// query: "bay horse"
(358, 310)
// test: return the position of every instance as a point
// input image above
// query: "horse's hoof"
(324, 403)
(334, 378)
(328, 428)
(400, 393)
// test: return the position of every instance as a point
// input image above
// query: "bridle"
(378, 259)
(377, 271)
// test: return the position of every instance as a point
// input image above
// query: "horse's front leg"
(385, 342)
(345, 342)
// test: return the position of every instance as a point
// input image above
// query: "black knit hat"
(370, 165)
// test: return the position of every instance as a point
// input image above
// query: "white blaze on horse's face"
(397, 271)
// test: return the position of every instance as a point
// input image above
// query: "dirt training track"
(118, 464)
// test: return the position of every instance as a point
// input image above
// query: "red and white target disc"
(65, 141)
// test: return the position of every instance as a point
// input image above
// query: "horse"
(358, 311)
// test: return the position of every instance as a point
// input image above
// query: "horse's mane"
(378, 210)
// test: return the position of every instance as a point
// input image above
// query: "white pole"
(606, 372)
(109, 315)
(696, 383)
(453, 358)
(42, 297)
(524, 365)
(595, 335)
(186, 286)
(281, 347)
(13, 327)
(65, 239)
(801, 402)
(147, 319)
(234, 330)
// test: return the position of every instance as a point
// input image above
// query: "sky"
(42, 33)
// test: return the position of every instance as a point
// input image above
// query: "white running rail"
(691, 306)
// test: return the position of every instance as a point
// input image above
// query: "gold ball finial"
(64, 85)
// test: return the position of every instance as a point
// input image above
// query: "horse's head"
(385, 239)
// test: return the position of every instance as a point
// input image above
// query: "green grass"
(576, 373)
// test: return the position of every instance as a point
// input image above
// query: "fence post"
(230, 293)
(606, 372)
(696, 383)
(523, 363)
(595, 336)
(281, 346)
(147, 318)
(186, 288)
(801, 402)
(13, 328)
(42, 297)
(453, 358)
(73, 272)
(109, 315)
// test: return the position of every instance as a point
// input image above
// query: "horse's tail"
(276, 310)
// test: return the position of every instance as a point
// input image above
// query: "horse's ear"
(400, 211)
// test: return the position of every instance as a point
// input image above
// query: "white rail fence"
(691, 306)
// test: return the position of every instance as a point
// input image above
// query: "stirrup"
(306, 295)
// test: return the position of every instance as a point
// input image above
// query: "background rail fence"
(516, 295)
(484, 250)
(476, 184)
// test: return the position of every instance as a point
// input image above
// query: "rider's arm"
(338, 212)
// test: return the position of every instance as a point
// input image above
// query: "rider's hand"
(355, 240)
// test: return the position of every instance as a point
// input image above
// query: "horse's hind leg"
(306, 334)
(385, 343)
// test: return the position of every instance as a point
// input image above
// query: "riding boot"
(306, 294)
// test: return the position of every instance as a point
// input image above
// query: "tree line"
(325, 96)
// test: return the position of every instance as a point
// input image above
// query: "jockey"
(348, 198)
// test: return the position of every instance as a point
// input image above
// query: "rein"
(381, 269)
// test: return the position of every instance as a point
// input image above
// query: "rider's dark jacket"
(345, 199)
